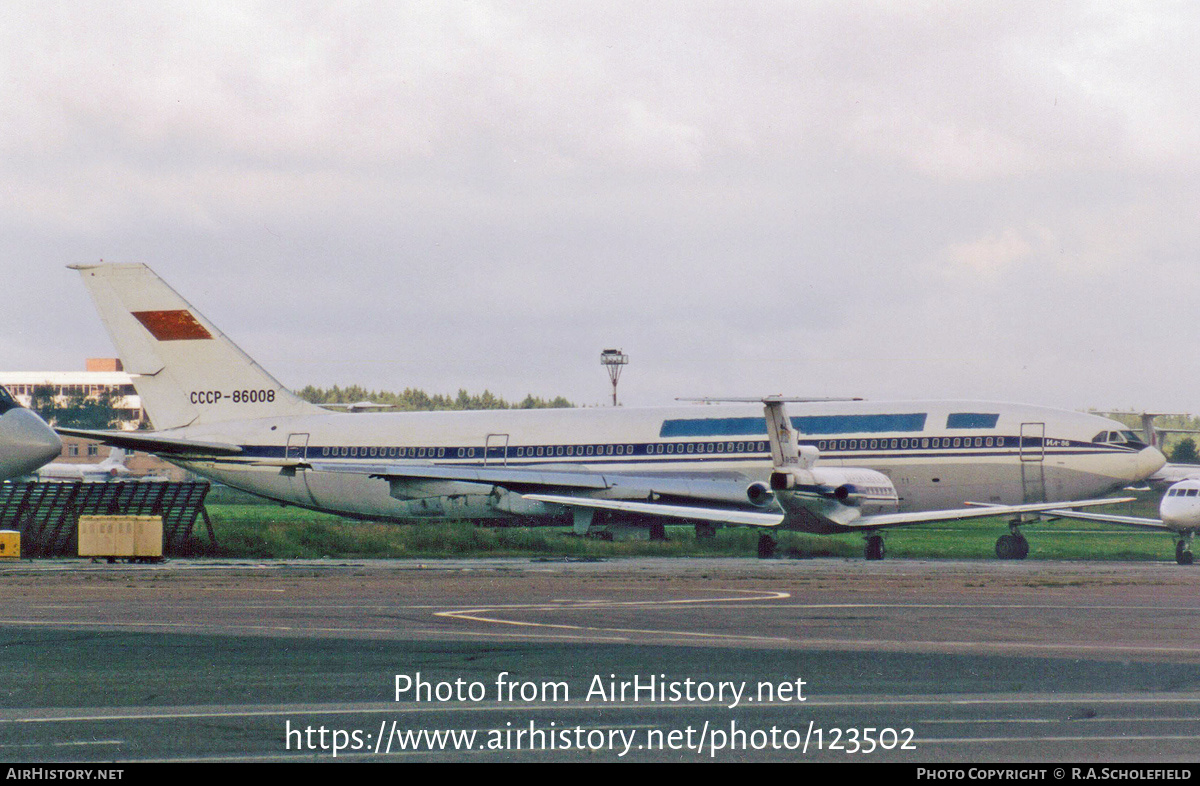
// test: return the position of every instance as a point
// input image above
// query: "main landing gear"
(766, 546)
(1183, 550)
(874, 547)
(1013, 545)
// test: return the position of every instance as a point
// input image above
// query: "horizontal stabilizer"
(153, 442)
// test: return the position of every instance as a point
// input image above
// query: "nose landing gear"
(1183, 550)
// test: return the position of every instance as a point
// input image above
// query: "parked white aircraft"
(26, 442)
(221, 415)
(111, 468)
(1179, 514)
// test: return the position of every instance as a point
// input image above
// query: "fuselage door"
(1033, 468)
(297, 447)
(1033, 441)
(495, 449)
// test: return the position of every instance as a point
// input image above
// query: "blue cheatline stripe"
(805, 424)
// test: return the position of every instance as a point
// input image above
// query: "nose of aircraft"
(26, 443)
(1149, 461)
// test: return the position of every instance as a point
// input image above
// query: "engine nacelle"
(760, 494)
(835, 492)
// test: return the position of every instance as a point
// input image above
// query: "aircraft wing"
(749, 518)
(153, 442)
(757, 519)
(1128, 521)
(729, 490)
(501, 476)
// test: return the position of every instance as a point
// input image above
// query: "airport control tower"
(614, 360)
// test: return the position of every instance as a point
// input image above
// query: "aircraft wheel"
(766, 546)
(1007, 547)
(1022, 547)
(1183, 555)
(874, 548)
(706, 529)
(658, 532)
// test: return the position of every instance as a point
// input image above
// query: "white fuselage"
(938, 454)
(1180, 506)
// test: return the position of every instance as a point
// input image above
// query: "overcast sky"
(880, 199)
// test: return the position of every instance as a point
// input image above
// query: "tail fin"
(185, 370)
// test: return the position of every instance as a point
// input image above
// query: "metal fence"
(46, 513)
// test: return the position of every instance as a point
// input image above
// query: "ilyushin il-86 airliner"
(826, 466)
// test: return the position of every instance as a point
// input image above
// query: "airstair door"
(1033, 466)
(496, 450)
(297, 447)
(297, 450)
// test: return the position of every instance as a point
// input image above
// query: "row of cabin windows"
(911, 442)
(544, 451)
(1182, 492)
(670, 448)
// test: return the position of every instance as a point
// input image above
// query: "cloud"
(772, 196)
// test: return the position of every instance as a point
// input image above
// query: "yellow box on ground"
(10, 543)
(120, 536)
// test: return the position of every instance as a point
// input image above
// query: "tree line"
(80, 410)
(413, 400)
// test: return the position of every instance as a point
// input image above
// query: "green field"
(248, 530)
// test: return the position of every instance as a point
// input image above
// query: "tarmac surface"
(633, 659)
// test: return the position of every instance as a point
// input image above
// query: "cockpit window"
(7, 402)
(1118, 437)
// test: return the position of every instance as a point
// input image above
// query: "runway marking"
(298, 628)
(1098, 738)
(62, 744)
(475, 615)
(587, 633)
(1121, 719)
(57, 715)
